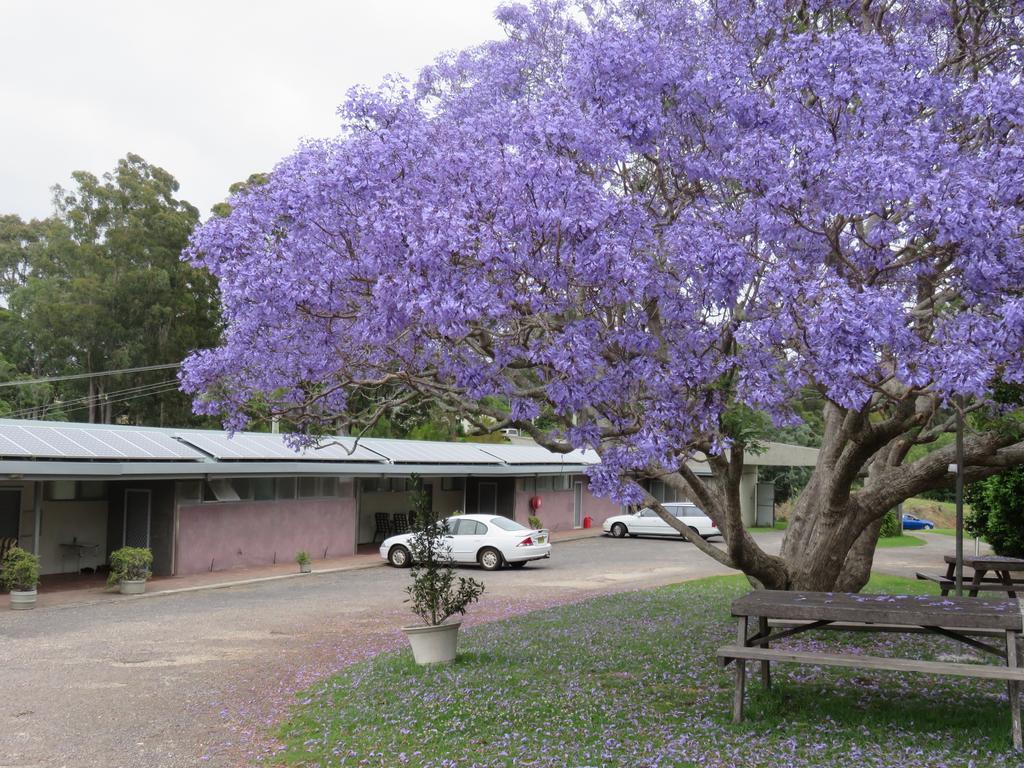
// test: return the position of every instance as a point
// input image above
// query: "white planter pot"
(23, 600)
(305, 567)
(434, 644)
(132, 586)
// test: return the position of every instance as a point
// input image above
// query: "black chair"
(383, 526)
(399, 523)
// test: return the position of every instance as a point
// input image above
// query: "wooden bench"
(973, 586)
(984, 671)
(782, 614)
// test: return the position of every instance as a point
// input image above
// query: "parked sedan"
(646, 522)
(911, 523)
(489, 540)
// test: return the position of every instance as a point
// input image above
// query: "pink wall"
(557, 506)
(249, 533)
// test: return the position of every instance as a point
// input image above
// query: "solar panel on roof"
(424, 452)
(258, 446)
(48, 441)
(536, 454)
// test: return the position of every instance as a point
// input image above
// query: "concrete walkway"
(92, 590)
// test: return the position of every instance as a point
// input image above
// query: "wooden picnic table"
(1002, 567)
(956, 618)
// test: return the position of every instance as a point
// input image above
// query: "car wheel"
(490, 559)
(694, 530)
(399, 556)
(520, 564)
(928, 527)
(618, 530)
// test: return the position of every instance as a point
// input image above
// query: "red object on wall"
(587, 522)
(535, 503)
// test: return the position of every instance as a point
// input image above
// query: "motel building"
(204, 501)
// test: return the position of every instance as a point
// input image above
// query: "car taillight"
(527, 542)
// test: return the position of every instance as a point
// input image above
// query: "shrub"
(534, 522)
(435, 593)
(997, 512)
(891, 524)
(130, 564)
(20, 570)
(302, 558)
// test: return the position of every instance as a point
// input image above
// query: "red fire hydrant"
(587, 522)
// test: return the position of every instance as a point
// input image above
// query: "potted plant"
(20, 575)
(435, 594)
(302, 558)
(130, 569)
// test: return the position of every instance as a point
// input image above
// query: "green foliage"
(891, 525)
(101, 286)
(130, 564)
(435, 593)
(19, 570)
(534, 522)
(302, 557)
(997, 511)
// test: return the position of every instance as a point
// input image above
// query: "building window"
(286, 487)
(309, 487)
(560, 483)
(188, 490)
(219, 489)
(243, 487)
(75, 490)
(453, 483)
(263, 488)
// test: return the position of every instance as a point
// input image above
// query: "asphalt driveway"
(197, 678)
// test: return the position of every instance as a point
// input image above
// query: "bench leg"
(1013, 686)
(1005, 577)
(741, 672)
(766, 666)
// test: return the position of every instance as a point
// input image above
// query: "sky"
(210, 91)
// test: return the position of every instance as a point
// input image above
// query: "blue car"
(911, 523)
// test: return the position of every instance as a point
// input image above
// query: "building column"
(37, 512)
(748, 495)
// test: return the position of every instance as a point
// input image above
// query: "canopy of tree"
(101, 286)
(659, 224)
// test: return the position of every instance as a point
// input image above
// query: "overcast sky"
(211, 91)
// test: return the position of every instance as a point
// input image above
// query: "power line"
(47, 379)
(109, 397)
(114, 401)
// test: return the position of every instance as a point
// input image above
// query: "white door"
(487, 499)
(577, 505)
(136, 517)
(467, 538)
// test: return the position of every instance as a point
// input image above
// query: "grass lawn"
(631, 680)
(906, 540)
(780, 525)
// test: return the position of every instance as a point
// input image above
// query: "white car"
(490, 540)
(646, 522)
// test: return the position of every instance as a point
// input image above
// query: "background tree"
(658, 223)
(997, 512)
(100, 286)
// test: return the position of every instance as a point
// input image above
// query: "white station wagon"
(489, 540)
(646, 522)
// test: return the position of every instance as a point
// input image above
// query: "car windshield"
(508, 525)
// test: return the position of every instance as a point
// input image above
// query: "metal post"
(37, 511)
(959, 498)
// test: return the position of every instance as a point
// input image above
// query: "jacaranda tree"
(658, 223)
